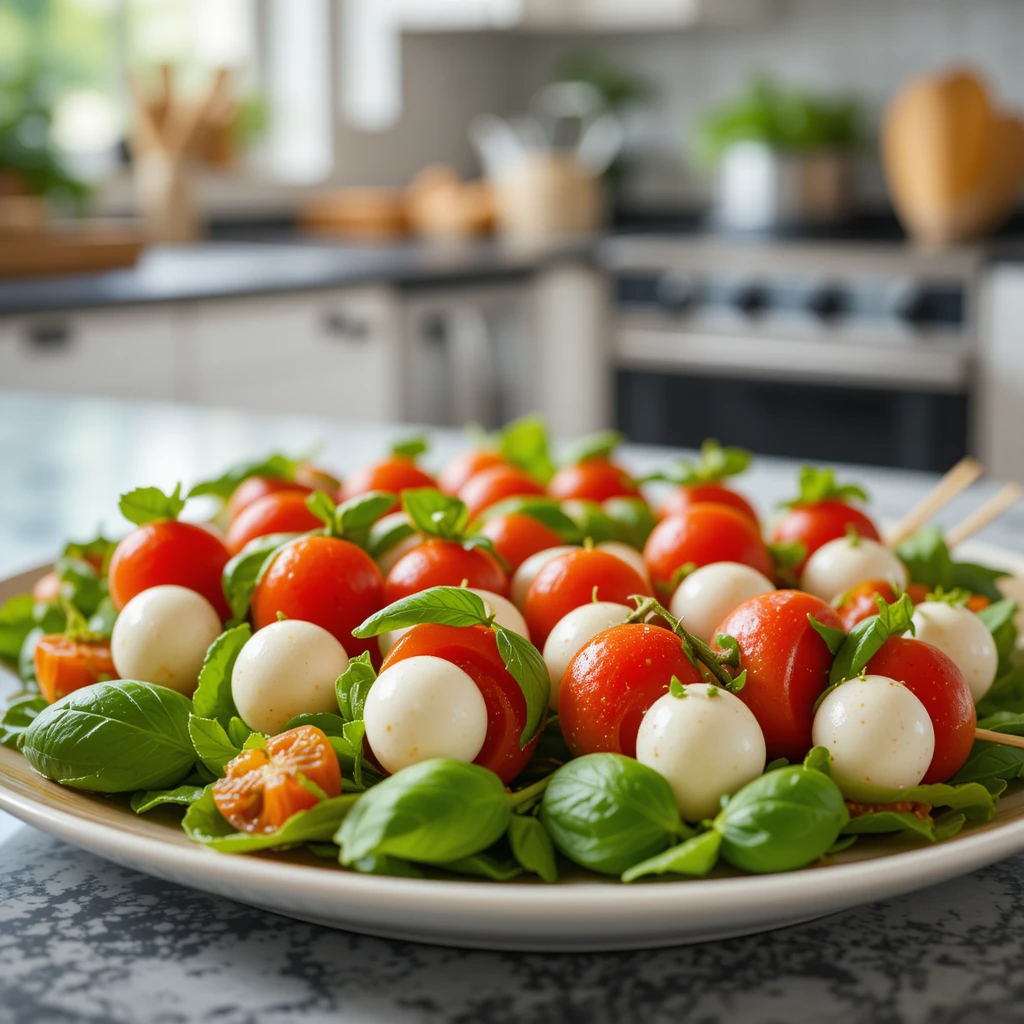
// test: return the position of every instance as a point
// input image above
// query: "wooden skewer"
(999, 737)
(958, 479)
(999, 503)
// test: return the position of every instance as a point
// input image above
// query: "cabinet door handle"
(345, 327)
(49, 337)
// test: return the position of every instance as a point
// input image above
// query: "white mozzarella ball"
(846, 561)
(626, 554)
(575, 629)
(286, 669)
(710, 593)
(387, 560)
(706, 744)
(877, 731)
(162, 635)
(527, 572)
(961, 635)
(421, 708)
(504, 611)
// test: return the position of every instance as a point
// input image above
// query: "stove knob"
(676, 292)
(908, 301)
(749, 298)
(826, 302)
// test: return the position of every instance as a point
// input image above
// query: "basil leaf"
(972, 798)
(410, 447)
(927, 558)
(445, 606)
(213, 698)
(243, 571)
(834, 638)
(150, 505)
(275, 466)
(696, 857)
(204, 824)
(391, 866)
(388, 532)
(483, 865)
(532, 847)
(987, 761)
(607, 812)
(526, 666)
(546, 511)
(883, 822)
(27, 657)
(211, 743)
(715, 463)
(435, 514)
(354, 518)
(99, 549)
(113, 737)
(999, 621)
(597, 446)
(101, 622)
(634, 521)
(433, 812)
(866, 638)
(781, 821)
(182, 796)
(524, 443)
(17, 620)
(592, 521)
(17, 717)
(1005, 694)
(817, 485)
(353, 685)
(81, 585)
(978, 579)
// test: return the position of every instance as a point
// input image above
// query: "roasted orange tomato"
(63, 664)
(263, 787)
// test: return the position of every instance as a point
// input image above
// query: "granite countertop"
(85, 940)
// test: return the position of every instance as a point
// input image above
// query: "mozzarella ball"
(707, 745)
(629, 555)
(709, 594)
(504, 611)
(843, 563)
(162, 636)
(961, 635)
(421, 708)
(286, 669)
(387, 560)
(575, 629)
(877, 731)
(527, 572)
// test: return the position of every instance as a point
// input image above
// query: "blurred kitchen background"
(794, 225)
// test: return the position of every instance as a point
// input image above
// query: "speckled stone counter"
(84, 940)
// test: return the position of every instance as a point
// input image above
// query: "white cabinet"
(325, 353)
(132, 352)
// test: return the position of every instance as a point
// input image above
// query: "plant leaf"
(275, 466)
(446, 606)
(524, 443)
(545, 510)
(817, 485)
(597, 446)
(866, 638)
(410, 447)
(182, 796)
(834, 638)
(150, 505)
(353, 685)
(435, 514)
(531, 847)
(212, 744)
(526, 665)
(212, 698)
(695, 857)
(18, 716)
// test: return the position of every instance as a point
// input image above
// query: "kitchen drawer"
(130, 353)
(324, 353)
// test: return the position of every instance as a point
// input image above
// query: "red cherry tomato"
(444, 563)
(256, 487)
(699, 536)
(683, 498)
(395, 474)
(612, 681)
(593, 480)
(490, 486)
(281, 512)
(517, 536)
(324, 580)
(169, 552)
(787, 665)
(457, 473)
(475, 651)
(64, 665)
(858, 603)
(815, 525)
(569, 581)
(940, 686)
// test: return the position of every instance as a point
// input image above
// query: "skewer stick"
(988, 513)
(999, 737)
(958, 479)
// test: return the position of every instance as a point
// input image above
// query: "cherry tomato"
(475, 650)
(940, 686)
(281, 512)
(457, 473)
(593, 480)
(685, 497)
(324, 580)
(263, 787)
(917, 592)
(815, 525)
(787, 665)
(977, 602)
(613, 680)
(570, 580)
(517, 536)
(444, 563)
(63, 665)
(858, 603)
(165, 552)
(394, 474)
(490, 486)
(255, 487)
(699, 536)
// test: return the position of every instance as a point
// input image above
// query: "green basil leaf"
(17, 620)
(150, 505)
(546, 511)
(394, 867)
(81, 585)
(607, 812)
(433, 812)
(18, 716)
(883, 822)
(927, 558)
(27, 657)
(483, 865)
(243, 571)
(781, 821)
(101, 622)
(182, 796)
(633, 518)
(212, 698)
(99, 549)
(866, 638)
(1005, 694)
(817, 485)
(989, 761)
(114, 737)
(388, 532)
(531, 847)
(330, 725)
(999, 621)
(524, 443)
(435, 514)
(445, 606)
(715, 463)
(212, 744)
(592, 521)
(275, 466)
(203, 823)
(322, 505)
(597, 446)
(355, 518)
(834, 638)
(411, 447)
(972, 798)
(526, 665)
(787, 555)
(978, 579)
(353, 685)
(695, 857)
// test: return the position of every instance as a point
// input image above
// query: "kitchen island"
(84, 940)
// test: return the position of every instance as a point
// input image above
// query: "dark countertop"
(82, 940)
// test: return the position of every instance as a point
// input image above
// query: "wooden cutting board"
(73, 251)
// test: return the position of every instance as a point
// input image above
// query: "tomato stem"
(525, 797)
